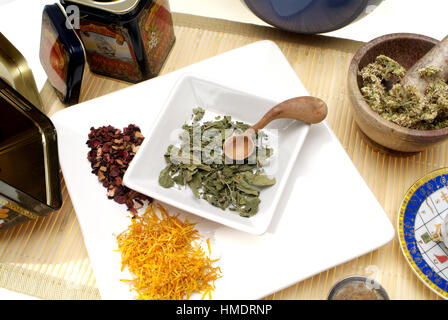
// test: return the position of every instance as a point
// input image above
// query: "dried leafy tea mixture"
(200, 164)
(404, 105)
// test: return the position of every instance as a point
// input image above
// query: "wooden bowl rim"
(353, 82)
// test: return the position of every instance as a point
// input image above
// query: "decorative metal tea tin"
(29, 167)
(61, 54)
(124, 39)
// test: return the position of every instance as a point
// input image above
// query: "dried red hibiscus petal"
(111, 151)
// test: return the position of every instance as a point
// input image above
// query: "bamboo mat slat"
(47, 258)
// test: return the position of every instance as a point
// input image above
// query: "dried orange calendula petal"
(162, 253)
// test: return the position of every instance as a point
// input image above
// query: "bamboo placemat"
(47, 258)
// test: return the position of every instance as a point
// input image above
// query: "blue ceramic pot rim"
(355, 16)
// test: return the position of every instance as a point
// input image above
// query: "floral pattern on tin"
(157, 32)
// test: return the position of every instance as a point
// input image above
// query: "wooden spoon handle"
(307, 109)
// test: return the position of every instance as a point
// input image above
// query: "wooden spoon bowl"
(307, 109)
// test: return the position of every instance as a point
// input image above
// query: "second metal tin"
(29, 166)
(61, 54)
(124, 39)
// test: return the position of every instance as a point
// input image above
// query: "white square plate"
(286, 138)
(326, 216)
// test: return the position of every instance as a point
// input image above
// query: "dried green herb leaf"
(258, 179)
(179, 179)
(195, 184)
(200, 163)
(244, 186)
(198, 114)
(251, 207)
(165, 179)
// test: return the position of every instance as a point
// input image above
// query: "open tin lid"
(29, 165)
(14, 69)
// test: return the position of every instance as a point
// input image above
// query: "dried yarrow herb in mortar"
(404, 105)
(111, 151)
(200, 164)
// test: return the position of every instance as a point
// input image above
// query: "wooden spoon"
(307, 109)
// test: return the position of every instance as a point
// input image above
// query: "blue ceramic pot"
(311, 16)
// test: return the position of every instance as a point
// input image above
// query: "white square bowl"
(287, 137)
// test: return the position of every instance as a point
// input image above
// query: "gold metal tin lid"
(15, 71)
(113, 6)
